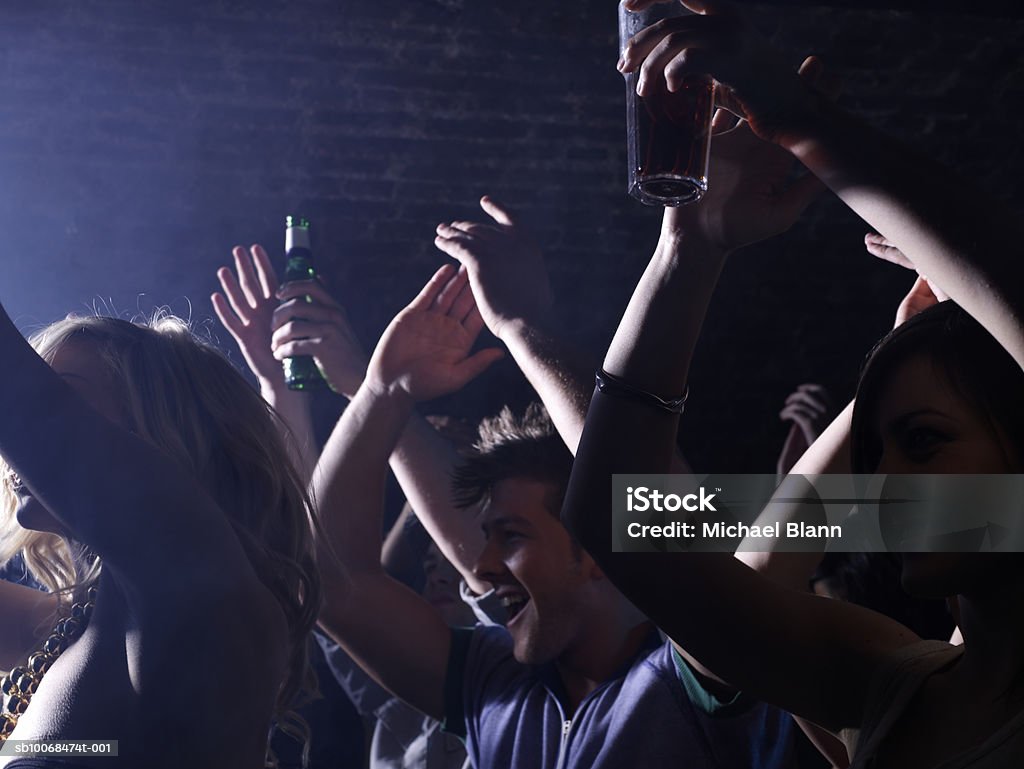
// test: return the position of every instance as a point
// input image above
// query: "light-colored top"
(895, 685)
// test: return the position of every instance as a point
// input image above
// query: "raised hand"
(505, 268)
(424, 352)
(310, 322)
(886, 250)
(246, 309)
(754, 80)
(751, 193)
(922, 295)
(809, 410)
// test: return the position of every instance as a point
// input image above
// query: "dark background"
(139, 141)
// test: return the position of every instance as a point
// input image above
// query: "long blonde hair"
(183, 397)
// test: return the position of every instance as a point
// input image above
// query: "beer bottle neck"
(296, 238)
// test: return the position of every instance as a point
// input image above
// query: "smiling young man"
(578, 678)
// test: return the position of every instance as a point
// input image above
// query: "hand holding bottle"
(309, 322)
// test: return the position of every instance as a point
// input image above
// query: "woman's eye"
(922, 442)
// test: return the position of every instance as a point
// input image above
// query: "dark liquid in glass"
(673, 135)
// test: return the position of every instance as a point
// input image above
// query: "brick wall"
(139, 141)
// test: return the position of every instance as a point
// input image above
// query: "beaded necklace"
(18, 686)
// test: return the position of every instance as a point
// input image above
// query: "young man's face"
(544, 582)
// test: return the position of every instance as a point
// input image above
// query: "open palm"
(426, 350)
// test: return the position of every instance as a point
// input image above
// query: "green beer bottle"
(300, 372)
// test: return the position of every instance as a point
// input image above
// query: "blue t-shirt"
(655, 714)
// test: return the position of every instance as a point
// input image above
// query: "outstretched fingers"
(247, 276)
(264, 270)
(880, 246)
(464, 302)
(456, 243)
(429, 293)
(451, 292)
(236, 297)
(497, 211)
(225, 315)
(456, 300)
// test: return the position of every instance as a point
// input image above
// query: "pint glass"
(668, 135)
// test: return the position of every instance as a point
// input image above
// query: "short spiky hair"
(509, 446)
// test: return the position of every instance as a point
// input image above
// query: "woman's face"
(925, 427)
(77, 363)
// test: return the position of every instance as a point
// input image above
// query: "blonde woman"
(147, 487)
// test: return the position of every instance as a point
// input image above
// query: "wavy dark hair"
(966, 356)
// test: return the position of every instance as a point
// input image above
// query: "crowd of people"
(181, 555)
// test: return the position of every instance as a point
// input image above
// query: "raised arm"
(510, 283)
(393, 633)
(922, 207)
(918, 205)
(103, 485)
(778, 644)
(246, 307)
(423, 462)
(311, 322)
(829, 452)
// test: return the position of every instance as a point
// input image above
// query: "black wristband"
(611, 385)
